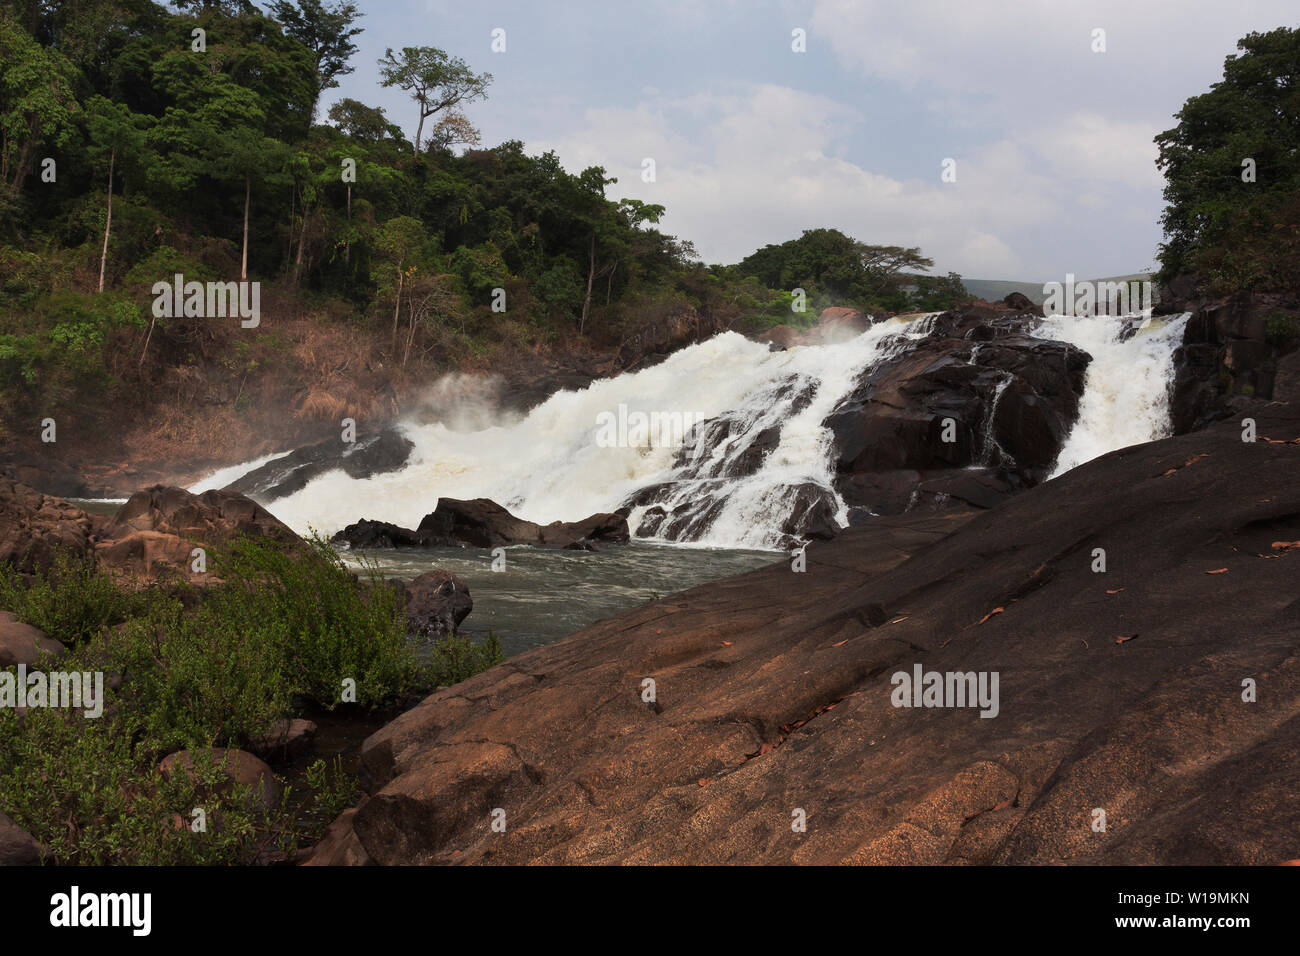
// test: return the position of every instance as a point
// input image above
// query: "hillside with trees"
(139, 141)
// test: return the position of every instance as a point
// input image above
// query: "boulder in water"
(482, 523)
(384, 452)
(436, 603)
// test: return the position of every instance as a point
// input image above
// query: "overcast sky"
(754, 143)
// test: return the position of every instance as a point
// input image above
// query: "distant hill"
(994, 289)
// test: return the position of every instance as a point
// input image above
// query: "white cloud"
(766, 169)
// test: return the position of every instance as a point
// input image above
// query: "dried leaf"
(726, 643)
(898, 619)
(996, 610)
(1285, 545)
(1124, 639)
(841, 643)
(1116, 591)
(1218, 571)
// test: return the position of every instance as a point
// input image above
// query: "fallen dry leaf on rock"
(1125, 639)
(996, 610)
(1218, 571)
(1285, 545)
(1116, 591)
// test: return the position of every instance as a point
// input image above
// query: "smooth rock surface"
(774, 693)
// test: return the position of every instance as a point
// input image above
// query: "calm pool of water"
(543, 595)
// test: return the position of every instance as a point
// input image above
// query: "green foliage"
(1237, 233)
(72, 601)
(1281, 329)
(202, 669)
(91, 793)
(214, 156)
(826, 261)
(330, 626)
(453, 659)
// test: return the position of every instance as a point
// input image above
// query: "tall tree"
(1233, 160)
(326, 30)
(435, 80)
(113, 131)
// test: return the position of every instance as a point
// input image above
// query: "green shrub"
(330, 625)
(204, 668)
(1280, 329)
(454, 659)
(72, 601)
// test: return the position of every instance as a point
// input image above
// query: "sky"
(754, 142)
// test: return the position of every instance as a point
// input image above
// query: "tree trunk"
(410, 334)
(108, 220)
(302, 240)
(609, 286)
(397, 309)
(243, 262)
(144, 350)
(591, 277)
(419, 130)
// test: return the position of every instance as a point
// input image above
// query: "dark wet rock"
(437, 603)
(1011, 398)
(379, 534)
(367, 456)
(651, 519)
(654, 341)
(35, 527)
(776, 692)
(44, 473)
(812, 515)
(482, 523)
(1227, 357)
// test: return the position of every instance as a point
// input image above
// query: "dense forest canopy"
(139, 141)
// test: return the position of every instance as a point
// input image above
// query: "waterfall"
(760, 455)
(1127, 386)
(550, 466)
